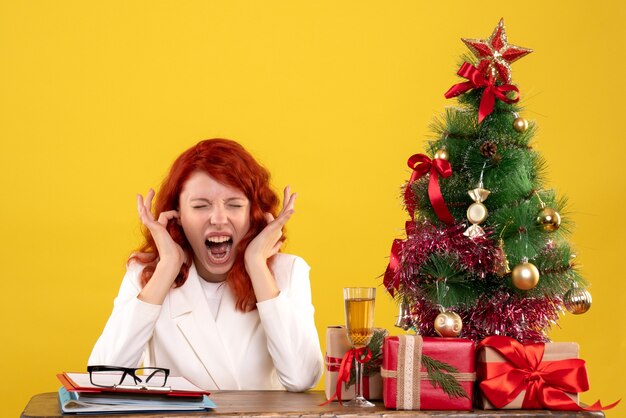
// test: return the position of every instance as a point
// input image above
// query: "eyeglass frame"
(132, 372)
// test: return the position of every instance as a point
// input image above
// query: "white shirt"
(274, 347)
(213, 291)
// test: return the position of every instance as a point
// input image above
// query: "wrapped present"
(338, 349)
(428, 373)
(532, 376)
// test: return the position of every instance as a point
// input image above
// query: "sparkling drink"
(359, 304)
(360, 320)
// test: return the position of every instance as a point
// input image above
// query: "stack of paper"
(79, 396)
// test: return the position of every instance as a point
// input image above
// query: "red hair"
(228, 163)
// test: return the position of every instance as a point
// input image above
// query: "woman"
(208, 295)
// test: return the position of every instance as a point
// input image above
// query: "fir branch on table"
(438, 374)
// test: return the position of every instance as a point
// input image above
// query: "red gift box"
(406, 381)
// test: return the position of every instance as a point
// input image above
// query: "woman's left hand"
(268, 242)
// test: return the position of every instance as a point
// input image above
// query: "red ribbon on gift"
(545, 383)
(333, 364)
(362, 355)
(478, 80)
(421, 164)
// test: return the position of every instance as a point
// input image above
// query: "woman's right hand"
(170, 253)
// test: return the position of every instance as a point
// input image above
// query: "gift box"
(337, 345)
(428, 373)
(532, 376)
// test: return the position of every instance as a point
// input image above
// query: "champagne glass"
(359, 304)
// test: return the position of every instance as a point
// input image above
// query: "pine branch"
(445, 281)
(438, 375)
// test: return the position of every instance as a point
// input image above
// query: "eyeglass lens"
(147, 375)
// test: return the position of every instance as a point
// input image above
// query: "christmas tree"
(486, 249)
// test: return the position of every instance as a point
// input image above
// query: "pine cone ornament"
(488, 149)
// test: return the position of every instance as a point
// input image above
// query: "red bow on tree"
(546, 383)
(478, 80)
(391, 278)
(421, 164)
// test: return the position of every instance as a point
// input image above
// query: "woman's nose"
(218, 215)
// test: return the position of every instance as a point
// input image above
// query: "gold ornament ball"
(520, 125)
(549, 219)
(525, 276)
(577, 301)
(448, 324)
(441, 154)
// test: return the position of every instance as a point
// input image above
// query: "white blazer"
(275, 347)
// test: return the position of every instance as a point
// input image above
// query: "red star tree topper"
(496, 54)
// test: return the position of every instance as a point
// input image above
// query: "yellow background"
(98, 97)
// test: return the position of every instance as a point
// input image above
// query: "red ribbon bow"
(362, 355)
(392, 278)
(478, 80)
(421, 164)
(545, 383)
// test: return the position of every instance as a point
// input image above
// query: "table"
(274, 404)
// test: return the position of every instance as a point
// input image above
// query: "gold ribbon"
(409, 373)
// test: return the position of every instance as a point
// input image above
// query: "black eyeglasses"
(119, 377)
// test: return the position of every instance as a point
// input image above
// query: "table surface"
(274, 404)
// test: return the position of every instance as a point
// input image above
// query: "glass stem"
(359, 378)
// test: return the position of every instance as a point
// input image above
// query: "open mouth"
(219, 248)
